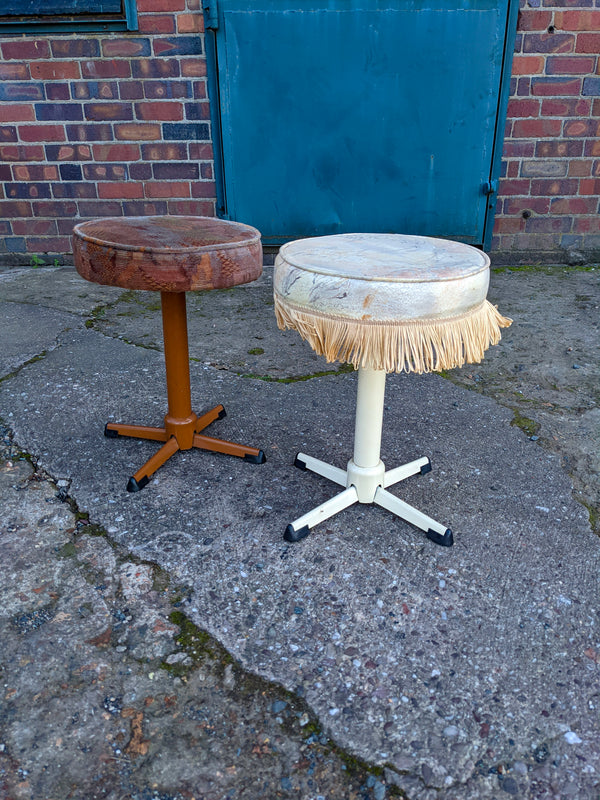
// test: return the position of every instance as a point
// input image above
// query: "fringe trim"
(397, 346)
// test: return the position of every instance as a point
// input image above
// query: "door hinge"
(490, 187)
(211, 17)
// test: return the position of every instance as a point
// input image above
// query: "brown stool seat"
(171, 255)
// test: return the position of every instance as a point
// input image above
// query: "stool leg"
(366, 477)
(301, 527)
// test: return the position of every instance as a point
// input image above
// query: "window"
(39, 16)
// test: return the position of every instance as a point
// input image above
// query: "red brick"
(589, 186)
(190, 23)
(551, 87)
(570, 65)
(164, 152)
(167, 189)
(10, 209)
(577, 20)
(513, 187)
(149, 6)
(55, 208)
(167, 90)
(548, 224)
(207, 172)
(588, 43)
(580, 169)
(77, 47)
(51, 244)
(159, 111)
(58, 91)
(156, 68)
(533, 19)
(102, 90)
(55, 70)
(42, 133)
(509, 224)
(116, 152)
(68, 152)
(565, 107)
(135, 208)
(200, 91)
(8, 133)
(581, 127)
(586, 224)
(98, 112)
(516, 205)
(35, 172)
(204, 189)
(559, 149)
(131, 90)
(113, 68)
(104, 172)
(592, 148)
(193, 67)
(155, 23)
(201, 208)
(545, 187)
(120, 190)
(201, 151)
(21, 152)
(596, 168)
(14, 72)
(518, 148)
(17, 112)
(137, 131)
(574, 205)
(140, 171)
(90, 132)
(34, 227)
(523, 107)
(536, 128)
(100, 208)
(548, 42)
(26, 49)
(74, 189)
(125, 48)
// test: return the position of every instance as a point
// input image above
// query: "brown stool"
(171, 255)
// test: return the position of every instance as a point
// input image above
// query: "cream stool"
(383, 303)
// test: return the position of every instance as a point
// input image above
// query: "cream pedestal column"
(365, 477)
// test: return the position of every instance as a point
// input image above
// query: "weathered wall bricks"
(552, 141)
(110, 125)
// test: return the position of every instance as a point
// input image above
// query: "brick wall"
(549, 193)
(104, 125)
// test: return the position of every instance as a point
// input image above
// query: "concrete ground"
(169, 645)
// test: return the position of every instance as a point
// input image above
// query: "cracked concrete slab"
(462, 672)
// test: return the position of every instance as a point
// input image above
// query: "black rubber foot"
(426, 468)
(292, 535)
(444, 539)
(136, 486)
(109, 433)
(259, 459)
(222, 413)
(299, 463)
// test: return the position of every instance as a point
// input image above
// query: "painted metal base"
(366, 480)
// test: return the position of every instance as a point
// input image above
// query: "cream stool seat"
(383, 303)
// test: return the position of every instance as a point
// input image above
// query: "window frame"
(71, 23)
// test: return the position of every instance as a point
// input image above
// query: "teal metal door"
(348, 116)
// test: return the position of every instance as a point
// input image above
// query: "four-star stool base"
(183, 427)
(366, 479)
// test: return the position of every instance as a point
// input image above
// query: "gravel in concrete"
(470, 672)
